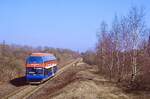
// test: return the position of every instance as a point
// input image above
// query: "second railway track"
(25, 92)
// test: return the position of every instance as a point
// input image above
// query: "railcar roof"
(41, 54)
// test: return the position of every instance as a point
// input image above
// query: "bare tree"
(101, 45)
(117, 52)
(136, 26)
(116, 32)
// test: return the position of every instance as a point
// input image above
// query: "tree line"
(123, 49)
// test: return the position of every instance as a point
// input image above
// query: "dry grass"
(83, 82)
(89, 86)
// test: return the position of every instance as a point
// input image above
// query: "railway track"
(25, 92)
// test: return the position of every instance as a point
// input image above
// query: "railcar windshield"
(34, 60)
(32, 70)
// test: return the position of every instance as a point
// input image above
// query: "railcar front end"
(40, 67)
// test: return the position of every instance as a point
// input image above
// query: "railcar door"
(48, 72)
(55, 69)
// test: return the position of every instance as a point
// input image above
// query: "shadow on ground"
(21, 81)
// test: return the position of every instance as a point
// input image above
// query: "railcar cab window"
(32, 70)
(34, 60)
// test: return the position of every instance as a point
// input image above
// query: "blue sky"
(60, 23)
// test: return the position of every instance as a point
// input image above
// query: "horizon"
(60, 24)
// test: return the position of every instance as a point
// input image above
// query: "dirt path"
(29, 90)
